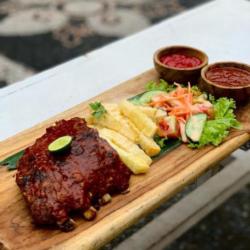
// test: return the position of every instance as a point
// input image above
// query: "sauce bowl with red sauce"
(229, 79)
(181, 64)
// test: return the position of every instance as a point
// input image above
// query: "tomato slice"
(168, 127)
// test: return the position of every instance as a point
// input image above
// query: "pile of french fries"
(130, 129)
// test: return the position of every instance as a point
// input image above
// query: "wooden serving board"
(167, 176)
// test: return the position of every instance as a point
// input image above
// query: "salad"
(192, 116)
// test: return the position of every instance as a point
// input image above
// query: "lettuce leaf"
(162, 85)
(196, 91)
(215, 131)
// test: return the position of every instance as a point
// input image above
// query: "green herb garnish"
(98, 109)
(11, 161)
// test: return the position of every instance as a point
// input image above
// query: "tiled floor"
(36, 35)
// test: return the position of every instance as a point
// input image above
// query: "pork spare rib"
(54, 185)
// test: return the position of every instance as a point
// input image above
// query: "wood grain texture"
(167, 176)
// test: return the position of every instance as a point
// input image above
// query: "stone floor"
(38, 34)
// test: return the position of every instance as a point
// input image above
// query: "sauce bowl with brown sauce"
(228, 79)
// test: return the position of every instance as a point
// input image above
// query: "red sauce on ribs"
(56, 184)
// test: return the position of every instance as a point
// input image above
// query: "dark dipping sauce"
(229, 76)
(180, 61)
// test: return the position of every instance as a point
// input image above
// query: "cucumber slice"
(195, 125)
(146, 97)
(60, 144)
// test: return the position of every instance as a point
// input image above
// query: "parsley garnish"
(98, 109)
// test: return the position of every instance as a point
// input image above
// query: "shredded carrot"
(177, 102)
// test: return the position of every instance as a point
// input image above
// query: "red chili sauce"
(180, 61)
(228, 76)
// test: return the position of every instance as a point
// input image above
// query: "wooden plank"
(176, 220)
(166, 177)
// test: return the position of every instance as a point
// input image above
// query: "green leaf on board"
(12, 160)
(167, 145)
(136, 99)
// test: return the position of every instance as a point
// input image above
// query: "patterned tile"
(29, 29)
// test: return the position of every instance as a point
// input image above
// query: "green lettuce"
(195, 90)
(162, 86)
(215, 131)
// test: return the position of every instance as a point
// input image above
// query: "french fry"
(141, 121)
(148, 111)
(150, 147)
(125, 144)
(124, 121)
(112, 108)
(123, 131)
(132, 161)
(89, 119)
(109, 121)
(135, 164)
(154, 113)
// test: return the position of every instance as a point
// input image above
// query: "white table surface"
(221, 28)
